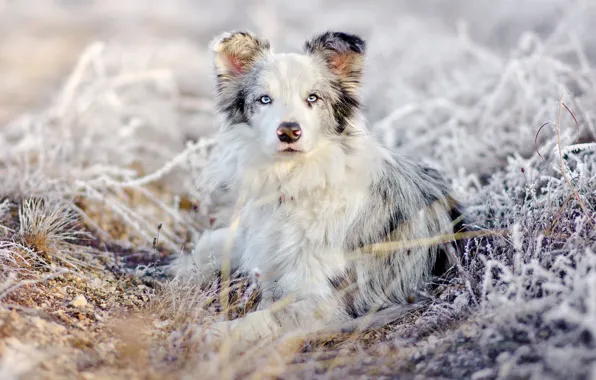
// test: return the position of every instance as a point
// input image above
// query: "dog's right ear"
(235, 54)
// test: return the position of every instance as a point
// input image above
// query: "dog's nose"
(289, 132)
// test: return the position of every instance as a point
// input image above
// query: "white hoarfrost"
(463, 85)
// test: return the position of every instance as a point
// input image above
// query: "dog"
(334, 225)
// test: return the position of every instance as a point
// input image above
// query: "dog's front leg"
(216, 250)
(299, 317)
(253, 327)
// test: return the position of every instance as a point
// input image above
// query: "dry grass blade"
(432, 241)
(562, 165)
(536, 138)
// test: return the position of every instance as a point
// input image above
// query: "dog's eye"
(265, 99)
(312, 98)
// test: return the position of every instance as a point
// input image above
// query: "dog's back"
(401, 239)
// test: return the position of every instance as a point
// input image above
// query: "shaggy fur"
(313, 213)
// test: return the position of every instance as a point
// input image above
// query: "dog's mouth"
(288, 149)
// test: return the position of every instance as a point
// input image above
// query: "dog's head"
(295, 103)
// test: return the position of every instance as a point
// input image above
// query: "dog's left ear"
(343, 53)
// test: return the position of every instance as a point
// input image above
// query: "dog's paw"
(220, 332)
(212, 333)
(252, 328)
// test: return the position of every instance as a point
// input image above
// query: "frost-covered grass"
(463, 85)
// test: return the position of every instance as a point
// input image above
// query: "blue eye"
(265, 99)
(312, 98)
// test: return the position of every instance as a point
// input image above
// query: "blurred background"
(41, 39)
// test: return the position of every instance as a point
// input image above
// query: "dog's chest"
(296, 243)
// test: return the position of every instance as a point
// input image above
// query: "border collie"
(335, 225)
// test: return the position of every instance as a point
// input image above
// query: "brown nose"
(289, 132)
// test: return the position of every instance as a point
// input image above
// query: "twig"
(76, 77)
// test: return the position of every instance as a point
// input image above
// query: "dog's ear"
(343, 53)
(235, 53)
